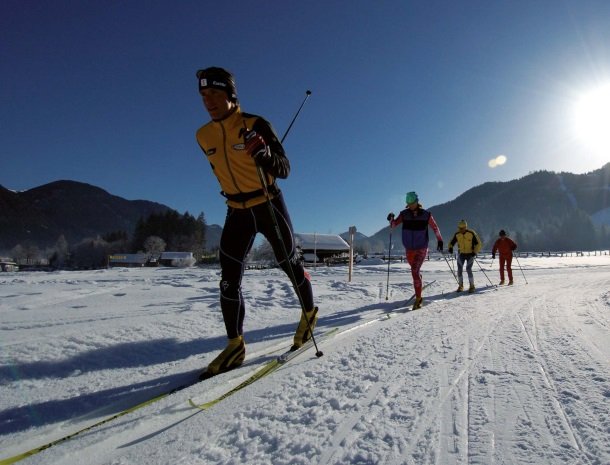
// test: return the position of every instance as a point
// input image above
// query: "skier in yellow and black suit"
(469, 245)
(234, 143)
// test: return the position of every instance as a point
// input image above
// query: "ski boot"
(471, 289)
(501, 282)
(418, 303)
(303, 333)
(232, 357)
(460, 288)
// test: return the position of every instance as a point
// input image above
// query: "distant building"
(179, 259)
(128, 260)
(6, 264)
(322, 248)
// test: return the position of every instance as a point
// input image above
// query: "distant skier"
(415, 221)
(234, 143)
(505, 246)
(469, 245)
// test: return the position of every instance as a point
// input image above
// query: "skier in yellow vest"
(235, 143)
(469, 245)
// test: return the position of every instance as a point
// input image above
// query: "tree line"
(152, 235)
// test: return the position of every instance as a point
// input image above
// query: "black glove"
(493, 255)
(391, 216)
(257, 148)
(439, 246)
(450, 250)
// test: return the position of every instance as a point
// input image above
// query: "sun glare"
(592, 119)
(497, 161)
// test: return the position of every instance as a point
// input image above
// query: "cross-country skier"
(469, 245)
(234, 143)
(505, 246)
(415, 221)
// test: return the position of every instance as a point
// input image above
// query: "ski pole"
(520, 268)
(475, 259)
(307, 94)
(263, 180)
(451, 266)
(451, 269)
(387, 290)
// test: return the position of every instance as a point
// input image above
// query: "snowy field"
(517, 375)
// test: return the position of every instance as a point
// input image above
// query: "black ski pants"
(240, 229)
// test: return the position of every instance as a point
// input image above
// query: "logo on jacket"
(211, 151)
(241, 146)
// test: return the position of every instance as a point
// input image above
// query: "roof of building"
(321, 242)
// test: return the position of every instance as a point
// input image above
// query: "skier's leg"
(235, 243)
(469, 264)
(502, 264)
(292, 267)
(460, 271)
(416, 259)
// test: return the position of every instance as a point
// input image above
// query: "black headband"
(217, 78)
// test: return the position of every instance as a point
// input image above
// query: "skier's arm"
(396, 220)
(435, 228)
(277, 164)
(452, 243)
(477, 245)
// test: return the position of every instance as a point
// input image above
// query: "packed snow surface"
(513, 375)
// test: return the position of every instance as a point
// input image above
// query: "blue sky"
(406, 95)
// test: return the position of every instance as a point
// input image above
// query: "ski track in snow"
(513, 375)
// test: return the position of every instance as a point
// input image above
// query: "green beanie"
(412, 197)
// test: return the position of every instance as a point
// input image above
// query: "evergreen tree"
(181, 233)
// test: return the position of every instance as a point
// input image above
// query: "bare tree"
(59, 253)
(154, 246)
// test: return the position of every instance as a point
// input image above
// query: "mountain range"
(542, 211)
(39, 216)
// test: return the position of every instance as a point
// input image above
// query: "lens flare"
(592, 119)
(497, 161)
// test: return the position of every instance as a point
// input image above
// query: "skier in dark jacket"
(415, 221)
(235, 143)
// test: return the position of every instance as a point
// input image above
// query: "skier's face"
(217, 103)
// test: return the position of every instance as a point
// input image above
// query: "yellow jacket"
(468, 242)
(223, 144)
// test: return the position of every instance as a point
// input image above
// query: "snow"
(517, 375)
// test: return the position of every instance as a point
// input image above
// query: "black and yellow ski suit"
(469, 245)
(248, 212)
